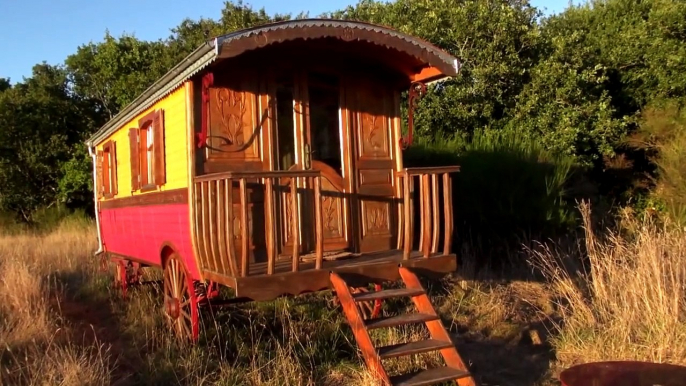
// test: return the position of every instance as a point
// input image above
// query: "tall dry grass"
(36, 344)
(627, 300)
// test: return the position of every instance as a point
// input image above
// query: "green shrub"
(663, 135)
(45, 220)
(508, 186)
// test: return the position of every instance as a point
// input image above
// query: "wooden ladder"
(455, 369)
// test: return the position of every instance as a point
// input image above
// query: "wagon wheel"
(180, 300)
(370, 309)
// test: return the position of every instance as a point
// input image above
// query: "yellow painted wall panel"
(175, 145)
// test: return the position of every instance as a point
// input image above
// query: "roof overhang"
(438, 64)
(441, 63)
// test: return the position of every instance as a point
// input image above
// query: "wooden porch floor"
(360, 270)
(285, 264)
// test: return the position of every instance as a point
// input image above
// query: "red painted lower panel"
(141, 231)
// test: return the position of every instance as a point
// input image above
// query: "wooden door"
(323, 150)
(314, 102)
(373, 165)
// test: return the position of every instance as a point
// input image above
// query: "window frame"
(109, 169)
(148, 152)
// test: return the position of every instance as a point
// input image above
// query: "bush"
(508, 187)
(45, 220)
(663, 135)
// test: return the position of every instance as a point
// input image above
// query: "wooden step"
(387, 294)
(428, 377)
(411, 348)
(393, 321)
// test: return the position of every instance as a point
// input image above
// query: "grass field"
(61, 322)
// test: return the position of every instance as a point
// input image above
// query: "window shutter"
(158, 151)
(100, 174)
(135, 161)
(115, 180)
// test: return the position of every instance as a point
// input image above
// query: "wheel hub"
(173, 307)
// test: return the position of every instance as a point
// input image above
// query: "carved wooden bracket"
(207, 82)
(417, 90)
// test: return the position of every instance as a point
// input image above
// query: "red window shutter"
(158, 151)
(100, 172)
(135, 161)
(113, 153)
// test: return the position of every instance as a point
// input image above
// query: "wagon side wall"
(142, 223)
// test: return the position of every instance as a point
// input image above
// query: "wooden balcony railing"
(216, 225)
(232, 208)
(429, 209)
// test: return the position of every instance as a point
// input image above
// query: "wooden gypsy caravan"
(270, 161)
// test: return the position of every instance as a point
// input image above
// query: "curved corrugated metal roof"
(347, 30)
(235, 43)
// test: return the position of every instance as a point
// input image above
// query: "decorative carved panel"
(374, 165)
(373, 131)
(376, 218)
(233, 125)
(333, 222)
(332, 210)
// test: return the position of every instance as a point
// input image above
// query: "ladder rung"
(428, 377)
(387, 294)
(393, 321)
(411, 348)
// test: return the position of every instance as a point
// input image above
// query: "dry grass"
(36, 343)
(628, 301)
(61, 323)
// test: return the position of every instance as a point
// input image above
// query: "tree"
(42, 124)
(5, 84)
(116, 70)
(496, 41)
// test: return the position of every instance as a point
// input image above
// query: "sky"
(33, 31)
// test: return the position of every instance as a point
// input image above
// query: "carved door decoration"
(234, 123)
(373, 165)
(335, 234)
(316, 118)
(333, 215)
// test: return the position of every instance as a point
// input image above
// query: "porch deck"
(228, 222)
(360, 270)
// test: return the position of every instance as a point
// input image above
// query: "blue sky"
(33, 31)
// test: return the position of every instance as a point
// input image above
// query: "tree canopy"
(575, 82)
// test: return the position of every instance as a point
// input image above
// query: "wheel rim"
(180, 302)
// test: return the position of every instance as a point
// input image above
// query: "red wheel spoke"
(181, 298)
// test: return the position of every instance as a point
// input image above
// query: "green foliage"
(114, 72)
(41, 124)
(190, 34)
(496, 41)
(5, 84)
(572, 85)
(75, 187)
(663, 134)
(508, 186)
(602, 63)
